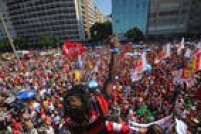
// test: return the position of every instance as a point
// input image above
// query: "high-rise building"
(89, 16)
(100, 17)
(168, 16)
(127, 14)
(109, 18)
(6, 17)
(62, 18)
(157, 17)
(194, 25)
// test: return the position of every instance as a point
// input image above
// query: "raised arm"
(115, 53)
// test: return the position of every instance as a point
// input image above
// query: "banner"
(113, 128)
(136, 72)
(144, 62)
(139, 65)
(199, 64)
(181, 127)
(188, 53)
(136, 75)
(178, 78)
(164, 53)
(199, 45)
(164, 123)
(168, 54)
(72, 49)
(193, 65)
(181, 47)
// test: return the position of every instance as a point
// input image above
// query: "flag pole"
(10, 38)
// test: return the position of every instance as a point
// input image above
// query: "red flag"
(72, 49)
(65, 48)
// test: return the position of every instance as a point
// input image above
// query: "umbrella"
(27, 94)
(93, 84)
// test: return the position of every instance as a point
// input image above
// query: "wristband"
(115, 50)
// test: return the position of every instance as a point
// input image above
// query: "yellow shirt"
(45, 103)
(77, 75)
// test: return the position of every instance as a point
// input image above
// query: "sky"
(105, 6)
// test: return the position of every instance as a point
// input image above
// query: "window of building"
(167, 21)
(185, 11)
(153, 14)
(174, 4)
(166, 13)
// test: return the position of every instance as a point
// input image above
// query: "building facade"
(32, 18)
(127, 14)
(168, 16)
(6, 17)
(194, 26)
(157, 17)
(100, 17)
(89, 16)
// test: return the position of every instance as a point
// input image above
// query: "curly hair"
(155, 129)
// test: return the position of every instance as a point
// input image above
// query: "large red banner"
(72, 49)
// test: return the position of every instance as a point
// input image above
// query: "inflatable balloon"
(8, 56)
(27, 94)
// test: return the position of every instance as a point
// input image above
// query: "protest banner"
(72, 49)
(180, 47)
(164, 53)
(164, 123)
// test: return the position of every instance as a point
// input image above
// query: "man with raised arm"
(86, 113)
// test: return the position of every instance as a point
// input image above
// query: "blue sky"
(105, 6)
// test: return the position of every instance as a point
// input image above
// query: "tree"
(45, 40)
(20, 42)
(101, 31)
(135, 34)
(5, 45)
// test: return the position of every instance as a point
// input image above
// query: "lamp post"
(9, 38)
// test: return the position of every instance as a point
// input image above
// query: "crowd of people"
(149, 99)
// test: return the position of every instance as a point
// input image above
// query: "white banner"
(199, 67)
(168, 50)
(178, 79)
(165, 53)
(136, 75)
(181, 47)
(144, 61)
(181, 127)
(199, 45)
(164, 123)
(188, 53)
